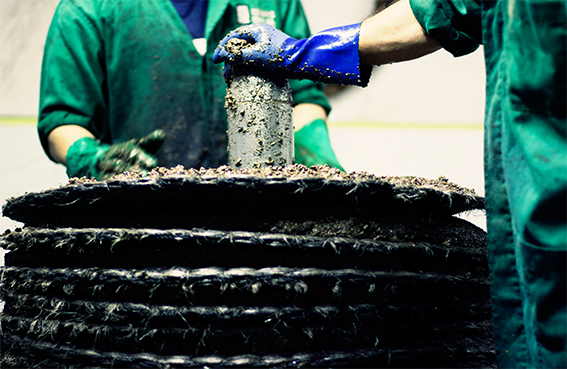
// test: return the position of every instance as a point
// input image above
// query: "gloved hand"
(312, 145)
(90, 158)
(330, 56)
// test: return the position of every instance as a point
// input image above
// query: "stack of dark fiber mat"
(280, 267)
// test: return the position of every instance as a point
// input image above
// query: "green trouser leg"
(313, 146)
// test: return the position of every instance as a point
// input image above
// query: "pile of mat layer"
(279, 267)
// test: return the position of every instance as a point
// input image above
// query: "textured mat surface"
(29, 353)
(450, 252)
(236, 200)
(291, 267)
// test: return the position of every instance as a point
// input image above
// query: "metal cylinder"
(260, 124)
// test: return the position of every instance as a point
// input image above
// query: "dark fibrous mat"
(198, 248)
(37, 354)
(260, 340)
(427, 319)
(230, 330)
(278, 267)
(218, 317)
(225, 198)
(241, 286)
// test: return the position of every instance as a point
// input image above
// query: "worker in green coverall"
(525, 48)
(127, 85)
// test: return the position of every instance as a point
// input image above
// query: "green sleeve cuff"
(48, 122)
(456, 25)
(308, 92)
(83, 156)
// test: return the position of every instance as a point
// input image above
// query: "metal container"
(260, 125)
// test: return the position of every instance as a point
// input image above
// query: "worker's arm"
(61, 138)
(83, 155)
(304, 114)
(339, 55)
(394, 35)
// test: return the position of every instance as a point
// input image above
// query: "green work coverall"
(123, 68)
(525, 164)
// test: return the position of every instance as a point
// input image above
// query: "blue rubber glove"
(312, 146)
(89, 158)
(330, 56)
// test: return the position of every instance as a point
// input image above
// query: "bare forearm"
(394, 35)
(306, 113)
(61, 138)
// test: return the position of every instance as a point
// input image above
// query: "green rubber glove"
(89, 158)
(312, 145)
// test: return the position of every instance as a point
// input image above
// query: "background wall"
(421, 118)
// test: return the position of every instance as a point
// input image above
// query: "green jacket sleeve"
(455, 24)
(295, 25)
(72, 76)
